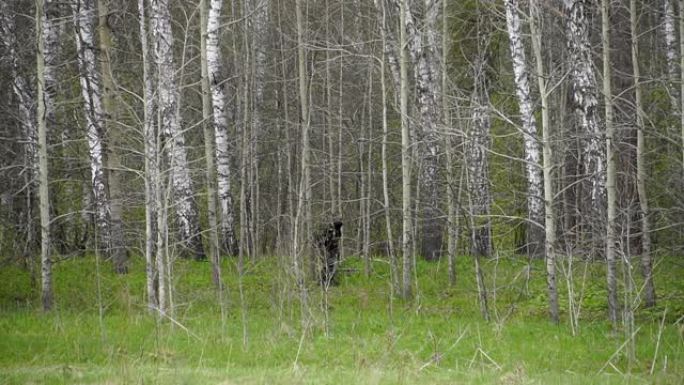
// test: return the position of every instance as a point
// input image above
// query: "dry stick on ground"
(610, 360)
(657, 347)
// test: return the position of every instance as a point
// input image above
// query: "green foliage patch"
(102, 333)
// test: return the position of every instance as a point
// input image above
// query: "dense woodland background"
(163, 129)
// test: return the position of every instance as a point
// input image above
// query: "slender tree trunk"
(340, 125)
(43, 194)
(328, 117)
(549, 216)
(258, 10)
(151, 166)
(113, 133)
(214, 253)
(405, 159)
(426, 72)
(163, 287)
(91, 90)
(219, 118)
(421, 42)
(394, 268)
(52, 30)
(25, 99)
(303, 201)
(477, 156)
(586, 106)
(389, 45)
(477, 147)
(611, 226)
(452, 211)
(646, 258)
(681, 68)
(290, 192)
(368, 191)
(245, 244)
(184, 202)
(533, 169)
(669, 32)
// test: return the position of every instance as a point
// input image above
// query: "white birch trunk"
(51, 34)
(533, 170)
(43, 192)
(112, 134)
(422, 47)
(84, 14)
(584, 94)
(209, 154)
(670, 36)
(22, 90)
(611, 188)
(549, 217)
(151, 167)
(185, 206)
(646, 258)
(303, 200)
(407, 228)
(452, 202)
(428, 90)
(477, 151)
(385, 178)
(421, 41)
(390, 48)
(478, 175)
(220, 120)
(681, 68)
(259, 30)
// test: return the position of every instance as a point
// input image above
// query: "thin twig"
(618, 350)
(660, 333)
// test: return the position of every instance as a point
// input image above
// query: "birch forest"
(266, 176)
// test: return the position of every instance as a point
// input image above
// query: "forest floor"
(101, 332)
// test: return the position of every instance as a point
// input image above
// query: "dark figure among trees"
(328, 242)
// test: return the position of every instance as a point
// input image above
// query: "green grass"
(101, 332)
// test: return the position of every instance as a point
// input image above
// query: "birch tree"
(425, 56)
(584, 95)
(533, 170)
(185, 206)
(452, 203)
(111, 131)
(644, 210)
(681, 68)
(25, 93)
(389, 45)
(549, 216)
(43, 192)
(407, 228)
(611, 226)
(91, 92)
(258, 10)
(477, 147)
(419, 24)
(669, 33)
(422, 45)
(151, 165)
(304, 197)
(394, 268)
(220, 122)
(209, 153)
(22, 89)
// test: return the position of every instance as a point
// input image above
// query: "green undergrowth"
(102, 333)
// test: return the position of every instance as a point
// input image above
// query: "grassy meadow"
(102, 333)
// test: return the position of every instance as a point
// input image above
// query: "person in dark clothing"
(328, 242)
